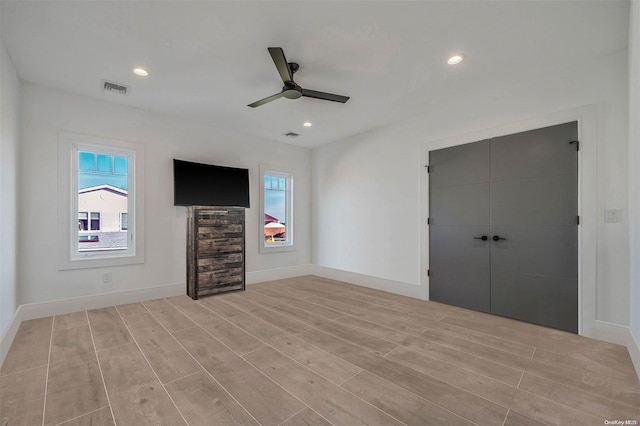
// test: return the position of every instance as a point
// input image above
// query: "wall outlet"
(106, 277)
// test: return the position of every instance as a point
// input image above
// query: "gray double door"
(503, 233)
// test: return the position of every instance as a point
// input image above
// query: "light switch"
(612, 215)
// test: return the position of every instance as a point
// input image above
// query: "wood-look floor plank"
(534, 406)
(279, 320)
(179, 300)
(170, 317)
(30, 347)
(267, 402)
(328, 399)
(237, 339)
(136, 395)
(463, 359)
(327, 365)
(74, 384)
(283, 298)
(306, 417)
(580, 400)
(131, 309)
(456, 400)
(168, 359)
(75, 319)
(107, 328)
(203, 402)
(220, 307)
(517, 419)
(400, 403)
(101, 417)
(22, 397)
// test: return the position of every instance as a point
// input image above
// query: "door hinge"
(577, 144)
(578, 219)
(428, 272)
(428, 221)
(428, 168)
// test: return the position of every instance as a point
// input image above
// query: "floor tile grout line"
(506, 416)
(81, 415)
(104, 384)
(149, 364)
(200, 365)
(292, 416)
(520, 381)
(305, 367)
(535, 348)
(23, 371)
(182, 377)
(46, 382)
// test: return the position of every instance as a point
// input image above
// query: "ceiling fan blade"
(281, 63)
(266, 100)
(325, 96)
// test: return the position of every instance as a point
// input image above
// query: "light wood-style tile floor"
(308, 351)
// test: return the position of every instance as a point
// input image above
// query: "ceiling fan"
(291, 90)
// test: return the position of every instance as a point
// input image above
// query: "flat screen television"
(196, 184)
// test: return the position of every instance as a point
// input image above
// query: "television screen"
(196, 184)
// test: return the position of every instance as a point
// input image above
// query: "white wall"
(634, 174)
(367, 188)
(45, 112)
(9, 123)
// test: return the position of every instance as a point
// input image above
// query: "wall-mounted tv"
(196, 184)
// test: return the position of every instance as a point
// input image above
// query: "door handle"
(483, 238)
(497, 238)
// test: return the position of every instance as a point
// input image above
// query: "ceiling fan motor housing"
(291, 90)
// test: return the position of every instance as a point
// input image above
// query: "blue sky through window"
(99, 169)
(275, 197)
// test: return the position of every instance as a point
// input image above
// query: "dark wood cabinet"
(215, 250)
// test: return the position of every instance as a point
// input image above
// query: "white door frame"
(588, 125)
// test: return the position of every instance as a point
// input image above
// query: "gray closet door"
(521, 188)
(459, 265)
(534, 205)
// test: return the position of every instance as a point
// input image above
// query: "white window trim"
(289, 174)
(68, 255)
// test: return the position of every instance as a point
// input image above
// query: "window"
(100, 211)
(123, 222)
(277, 210)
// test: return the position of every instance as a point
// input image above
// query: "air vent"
(109, 86)
(291, 134)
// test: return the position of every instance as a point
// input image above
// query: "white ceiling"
(209, 59)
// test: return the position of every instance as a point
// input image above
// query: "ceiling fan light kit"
(291, 90)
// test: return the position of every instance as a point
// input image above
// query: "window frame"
(289, 175)
(69, 255)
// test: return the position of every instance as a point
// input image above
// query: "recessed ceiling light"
(455, 59)
(307, 124)
(141, 72)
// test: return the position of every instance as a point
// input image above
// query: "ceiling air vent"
(109, 86)
(291, 134)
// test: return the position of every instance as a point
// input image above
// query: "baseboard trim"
(83, 303)
(277, 274)
(609, 332)
(634, 350)
(9, 334)
(391, 286)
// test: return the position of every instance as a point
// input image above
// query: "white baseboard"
(397, 287)
(277, 274)
(609, 332)
(634, 350)
(9, 333)
(83, 303)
